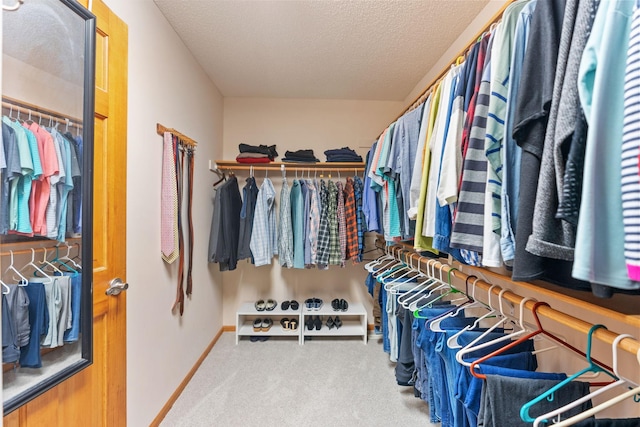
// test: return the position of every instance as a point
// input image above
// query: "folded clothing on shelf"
(300, 156)
(252, 158)
(269, 150)
(344, 154)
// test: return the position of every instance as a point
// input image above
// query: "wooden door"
(97, 395)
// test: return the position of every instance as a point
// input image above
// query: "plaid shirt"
(332, 216)
(323, 233)
(351, 221)
(285, 229)
(358, 187)
(342, 225)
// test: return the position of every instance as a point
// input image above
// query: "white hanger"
(437, 285)
(66, 257)
(35, 267)
(23, 280)
(609, 403)
(5, 288)
(435, 324)
(47, 263)
(452, 342)
(471, 347)
(410, 296)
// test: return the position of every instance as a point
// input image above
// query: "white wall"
(167, 86)
(294, 124)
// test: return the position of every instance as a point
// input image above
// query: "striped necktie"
(169, 201)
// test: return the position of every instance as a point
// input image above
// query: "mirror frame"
(86, 305)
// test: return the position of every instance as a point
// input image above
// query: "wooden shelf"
(232, 165)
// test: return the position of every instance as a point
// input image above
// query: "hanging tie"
(169, 201)
(190, 161)
(179, 302)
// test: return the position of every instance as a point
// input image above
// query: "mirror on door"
(48, 69)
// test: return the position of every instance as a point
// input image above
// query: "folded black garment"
(301, 154)
(344, 158)
(344, 151)
(289, 160)
(269, 150)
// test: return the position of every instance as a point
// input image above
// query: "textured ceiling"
(340, 49)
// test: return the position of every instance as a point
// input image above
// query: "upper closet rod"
(184, 139)
(630, 345)
(423, 95)
(45, 113)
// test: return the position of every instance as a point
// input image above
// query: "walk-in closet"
(320, 213)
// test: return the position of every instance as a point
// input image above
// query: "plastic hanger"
(35, 267)
(471, 347)
(622, 381)
(22, 281)
(539, 331)
(452, 342)
(64, 258)
(524, 411)
(403, 287)
(369, 266)
(434, 324)
(46, 263)
(5, 288)
(440, 284)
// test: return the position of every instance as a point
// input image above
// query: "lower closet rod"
(628, 344)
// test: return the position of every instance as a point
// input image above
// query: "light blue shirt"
(264, 236)
(600, 235)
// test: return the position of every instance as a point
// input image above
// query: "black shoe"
(294, 305)
(335, 304)
(337, 322)
(344, 305)
(284, 305)
(309, 323)
(318, 323)
(330, 323)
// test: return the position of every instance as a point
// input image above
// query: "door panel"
(97, 395)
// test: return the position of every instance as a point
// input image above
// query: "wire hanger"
(622, 381)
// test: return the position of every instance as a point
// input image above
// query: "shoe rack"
(247, 314)
(354, 322)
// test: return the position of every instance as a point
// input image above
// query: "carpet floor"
(325, 382)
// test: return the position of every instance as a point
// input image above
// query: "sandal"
(293, 325)
(260, 305)
(257, 325)
(285, 323)
(294, 305)
(270, 305)
(266, 324)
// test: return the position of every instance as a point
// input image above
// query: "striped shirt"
(468, 226)
(630, 151)
(285, 230)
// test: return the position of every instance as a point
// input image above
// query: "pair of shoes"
(261, 338)
(337, 322)
(339, 305)
(289, 324)
(262, 325)
(262, 305)
(313, 303)
(293, 304)
(313, 322)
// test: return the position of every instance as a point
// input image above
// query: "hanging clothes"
(249, 201)
(285, 227)
(264, 237)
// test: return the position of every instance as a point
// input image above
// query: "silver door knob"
(116, 286)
